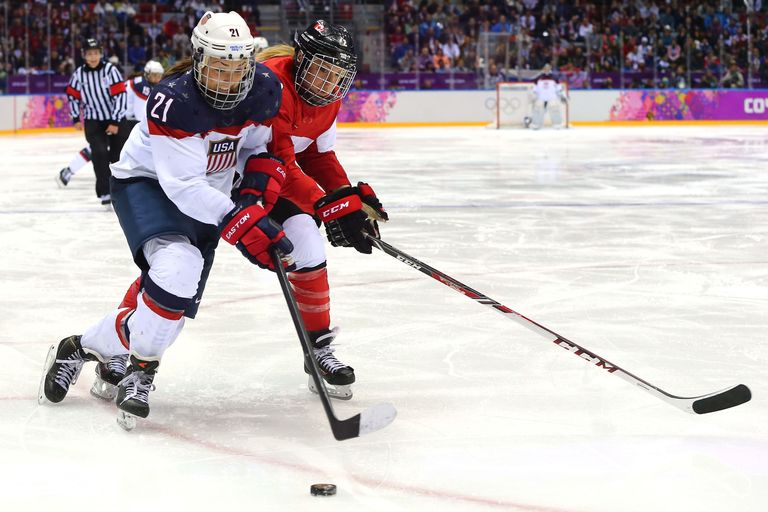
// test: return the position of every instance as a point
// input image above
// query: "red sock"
(313, 297)
(122, 333)
(129, 301)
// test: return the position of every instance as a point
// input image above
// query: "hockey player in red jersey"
(316, 74)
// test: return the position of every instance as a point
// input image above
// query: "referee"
(96, 93)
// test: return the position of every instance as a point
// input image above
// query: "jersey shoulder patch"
(140, 87)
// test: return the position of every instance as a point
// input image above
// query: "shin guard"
(313, 296)
(153, 327)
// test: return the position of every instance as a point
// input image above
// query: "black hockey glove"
(348, 213)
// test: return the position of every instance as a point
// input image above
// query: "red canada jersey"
(304, 136)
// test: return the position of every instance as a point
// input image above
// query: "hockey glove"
(263, 177)
(250, 229)
(350, 212)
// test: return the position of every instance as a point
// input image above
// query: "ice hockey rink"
(648, 246)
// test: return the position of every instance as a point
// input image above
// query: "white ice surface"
(648, 246)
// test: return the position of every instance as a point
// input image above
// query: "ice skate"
(63, 177)
(527, 121)
(106, 202)
(338, 377)
(108, 376)
(133, 392)
(62, 367)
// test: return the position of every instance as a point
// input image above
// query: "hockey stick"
(371, 419)
(703, 404)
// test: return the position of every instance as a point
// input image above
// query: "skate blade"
(338, 392)
(49, 360)
(59, 183)
(103, 390)
(126, 420)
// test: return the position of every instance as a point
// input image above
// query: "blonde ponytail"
(279, 50)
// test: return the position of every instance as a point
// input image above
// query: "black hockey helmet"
(325, 63)
(91, 44)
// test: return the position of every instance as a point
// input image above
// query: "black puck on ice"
(322, 489)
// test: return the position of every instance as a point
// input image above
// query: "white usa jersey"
(138, 90)
(194, 150)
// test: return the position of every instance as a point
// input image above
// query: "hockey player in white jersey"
(172, 193)
(137, 90)
(547, 97)
(80, 160)
(260, 43)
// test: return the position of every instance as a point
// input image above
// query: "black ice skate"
(108, 376)
(62, 367)
(338, 376)
(106, 202)
(62, 179)
(527, 121)
(133, 391)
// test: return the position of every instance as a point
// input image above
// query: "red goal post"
(514, 104)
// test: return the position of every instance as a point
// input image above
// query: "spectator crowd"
(654, 43)
(46, 36)
(647, 43)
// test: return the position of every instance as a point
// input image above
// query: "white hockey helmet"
(223, 56)
(153, 66)
(260, 43)
(153, 71)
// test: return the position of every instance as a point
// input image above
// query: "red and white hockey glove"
(348, 213)
(250, 230)
(263, 177)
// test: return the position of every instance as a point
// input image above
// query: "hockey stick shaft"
(306, 345)
(699, 405)
(369, 420)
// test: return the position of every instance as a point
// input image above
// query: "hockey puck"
(322, 489)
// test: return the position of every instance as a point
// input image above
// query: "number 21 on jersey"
(160, 99)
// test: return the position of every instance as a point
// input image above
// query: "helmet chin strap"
(220, 97)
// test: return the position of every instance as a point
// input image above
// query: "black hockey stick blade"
(725, 399)
(371, 419)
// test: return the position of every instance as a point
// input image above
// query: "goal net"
(514, 105)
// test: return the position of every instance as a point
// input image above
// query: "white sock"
(79, 161)
(102, 336)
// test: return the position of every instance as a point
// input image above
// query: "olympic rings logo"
(508, 105)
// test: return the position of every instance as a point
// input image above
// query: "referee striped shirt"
(97, 93)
